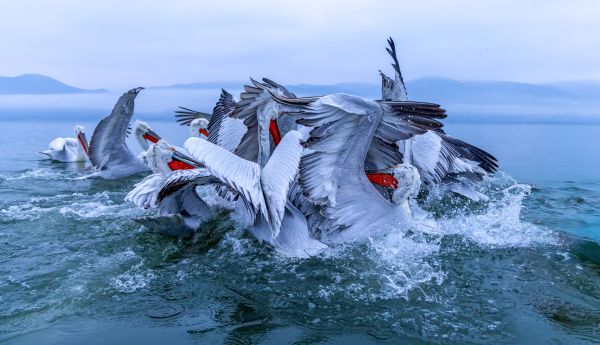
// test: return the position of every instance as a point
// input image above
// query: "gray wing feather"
(185, 116)
(107, 146)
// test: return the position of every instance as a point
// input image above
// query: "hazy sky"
(117, 44)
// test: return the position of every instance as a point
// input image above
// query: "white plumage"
(181, 211)
(263, 191)
(69, 150)
(332, 172)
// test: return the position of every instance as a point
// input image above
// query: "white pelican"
(198, 128)
(180, 210)
(69, 149)
(263, 192)
(267, 120)
(145, 135)
(109, 154)
(222, 129)
(332, 171)
(267, 123)
(438, 157)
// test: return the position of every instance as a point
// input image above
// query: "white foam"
(26, 211)
(500, 225)
(37, 174)
(84, 206)
(133, 280)
(403, 261)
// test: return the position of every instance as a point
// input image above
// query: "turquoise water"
(524, 268)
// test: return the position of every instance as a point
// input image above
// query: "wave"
(74, 205)
(34, 174)
(132, 280)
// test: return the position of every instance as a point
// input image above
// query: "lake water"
(524, 268)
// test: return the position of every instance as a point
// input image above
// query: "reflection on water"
(524, 266)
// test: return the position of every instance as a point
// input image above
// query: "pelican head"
(164, 158)
(198, 128)
(144, 134)
(408, 180)
(80, 135)
(136, 90)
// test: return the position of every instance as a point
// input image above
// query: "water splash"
(496, 223)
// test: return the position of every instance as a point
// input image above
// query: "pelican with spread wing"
(332, 171)
(109, 154)
(222, 129)
(439, 157)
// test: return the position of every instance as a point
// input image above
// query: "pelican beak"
(84, 143)
(181, 161)
(152, 136)
(274, 130)
(136, 90)
(384, 178)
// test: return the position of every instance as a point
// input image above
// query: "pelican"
(69, 149)
(163, 158)
(268, 119)
(198, 128)
(145, 135)
(332, 171)
(181, 211)
(109, 154)
(263, 192)
(439, 158)
(222, 129)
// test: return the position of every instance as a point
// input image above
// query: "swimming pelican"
(69, 149)
(439, 158)
(109, 154)
(181, 212)
(263, 192)
(332, 171)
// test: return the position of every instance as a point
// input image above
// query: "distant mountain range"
(464, 100)
(35, 84)
(443, 90)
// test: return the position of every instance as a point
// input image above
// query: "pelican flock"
(300, 173)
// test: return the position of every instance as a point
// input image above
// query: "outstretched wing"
(398, 91)
(254, 98)
(223, 130)
(332, 171)
(185, 116)
(183, 178)
(437, 155)
(403, 120)
(238, 173)
(144, 194)
(332, 167)
(108, 147)
(278, 174)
